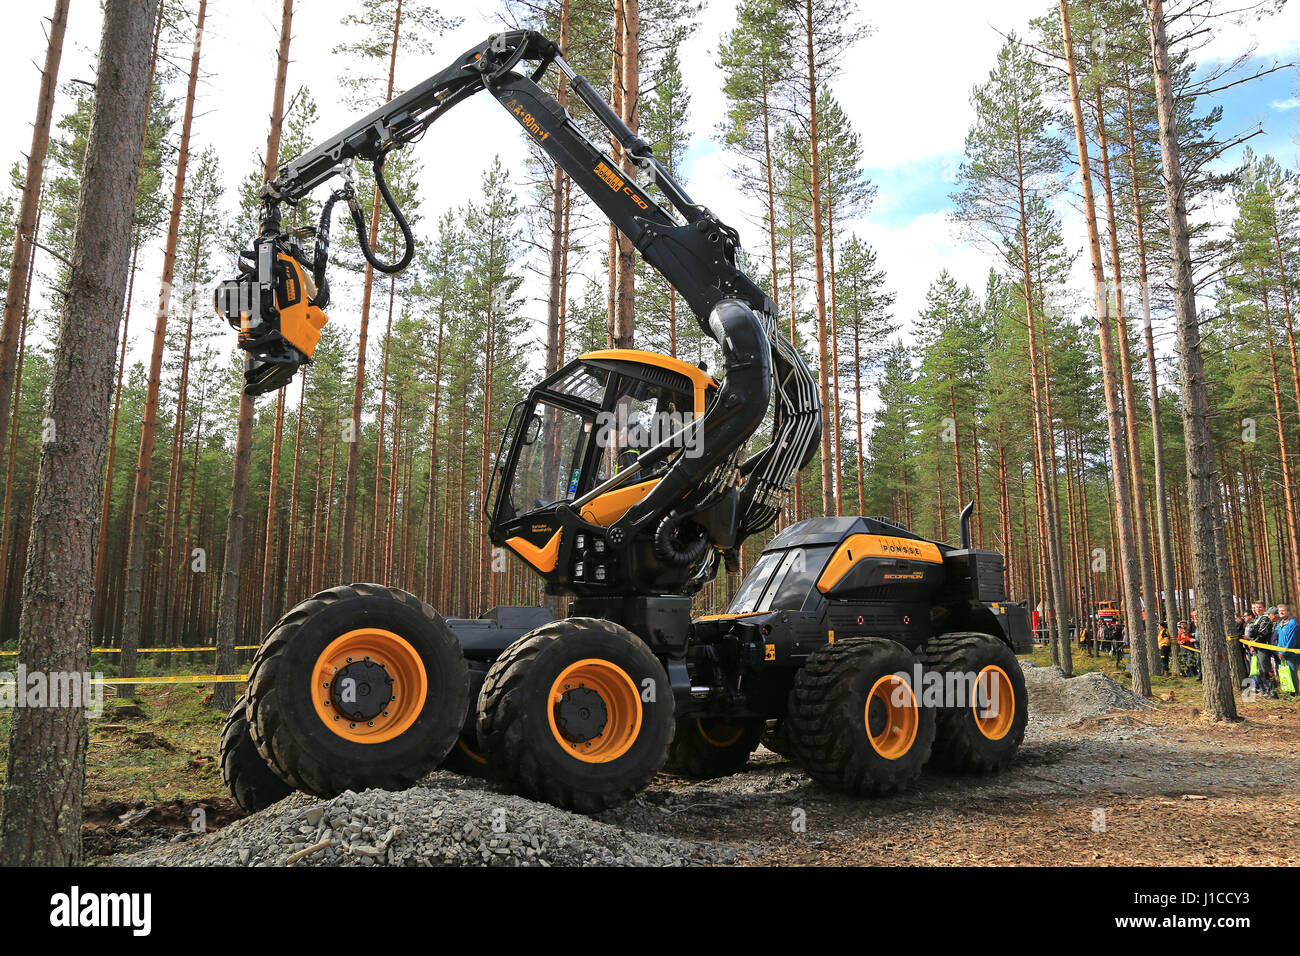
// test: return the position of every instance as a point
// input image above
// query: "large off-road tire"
(705, 747)
(855, 723)
(980, 732)
(467, 756)
(250, 781)
(358, 686)
(578, 713)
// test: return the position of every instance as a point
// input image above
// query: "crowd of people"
(1274, 667)
(1275, 672)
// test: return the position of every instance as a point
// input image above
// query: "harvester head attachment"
(273, 306)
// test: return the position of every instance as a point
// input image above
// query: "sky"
(905, 85)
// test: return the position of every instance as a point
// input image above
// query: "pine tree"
(863, 305)
(1202, 480)
(41, 820)
(25, 221)
(1013, 162)
(132, 627)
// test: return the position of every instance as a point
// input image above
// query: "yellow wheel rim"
(410, 687)
(469, 751)
(720, 734)
(891, 717)
(618, 696)
(993, 689)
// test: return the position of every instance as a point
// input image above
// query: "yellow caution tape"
(182, 679)
(185, 679)
(154, 650)
(1267, 647)
(1272, 647)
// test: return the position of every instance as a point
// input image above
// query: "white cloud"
(913, 254)
(907, 86)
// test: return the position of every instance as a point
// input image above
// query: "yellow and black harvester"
(854, 647)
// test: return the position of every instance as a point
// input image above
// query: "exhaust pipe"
(965, 524)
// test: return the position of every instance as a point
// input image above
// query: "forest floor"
(1131, 786)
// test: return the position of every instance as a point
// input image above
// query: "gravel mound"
(445, 820)
(1056, 701)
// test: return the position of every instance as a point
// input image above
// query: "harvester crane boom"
(691, 248)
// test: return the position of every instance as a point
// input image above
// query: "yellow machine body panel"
(543, 558)
(300, 322)
(860, 546)
(612, 505)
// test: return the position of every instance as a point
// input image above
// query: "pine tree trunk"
(616, 102)
(823, 358)
(347, 571)
(292, 546)
(430, 567)
(1049, 526)
(189, 577)
(29, 204)
(132, 621)
(1140, 527)
(270, 608)
(101, 549)
(6, 541)
(1114, 411)
(857, 392)
(771, 189)
(1291, 566)
(223, 696)
(835, 353)
(45, 772)
(625, 273)
(171, 503)
(554, 358)
(376, 559)
(1202, 489)
(1153, 388)
(100, 613)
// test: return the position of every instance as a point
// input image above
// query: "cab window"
(781, 580)
(553, 446)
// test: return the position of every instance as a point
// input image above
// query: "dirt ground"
(1131, 788)
(1134, 787)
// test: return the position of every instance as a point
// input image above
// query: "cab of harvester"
(578, 464)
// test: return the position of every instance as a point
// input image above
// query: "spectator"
(1260, 630)
(1286, 637)
(1117, 648)
(1164, 641)
(1189, 664)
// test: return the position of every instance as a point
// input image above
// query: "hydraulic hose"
(358, 219)
(675, 549)
(321, 255)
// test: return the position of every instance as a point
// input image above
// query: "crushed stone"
(445, 820)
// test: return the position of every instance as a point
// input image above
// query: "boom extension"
(690, 247)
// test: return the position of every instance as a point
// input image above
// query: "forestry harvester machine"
(622, 481)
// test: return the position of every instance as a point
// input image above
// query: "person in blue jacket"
(1284, 635)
